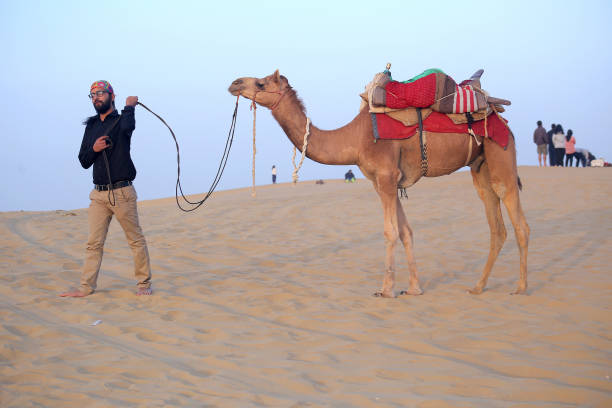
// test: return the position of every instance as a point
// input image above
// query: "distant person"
(559, 143)
(349, 177)
(540, 139)
(273, 174)
(96, 140)
(570, 148)
(551, 146)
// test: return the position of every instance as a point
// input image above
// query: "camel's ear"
(276, 76)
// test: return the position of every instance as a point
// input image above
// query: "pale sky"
(550, 58)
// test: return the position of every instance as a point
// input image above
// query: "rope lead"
(254, 109)
(304, 146)
(220, 169)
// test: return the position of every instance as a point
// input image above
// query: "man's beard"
(104, 107)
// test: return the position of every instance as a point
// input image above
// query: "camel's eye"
(260, 85)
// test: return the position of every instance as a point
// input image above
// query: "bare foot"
(475, 291)
(412, 291)
(144, 292)
(74, 293)
(380, 293)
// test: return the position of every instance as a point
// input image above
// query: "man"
(539, 138)
(273, 174)
(349, 177)
(107, 140)
(584, 157)
(551, 146)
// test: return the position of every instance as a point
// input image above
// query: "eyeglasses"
(97, 93)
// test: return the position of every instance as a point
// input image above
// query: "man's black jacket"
(120, 161)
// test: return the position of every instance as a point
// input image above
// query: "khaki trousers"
(99, 215)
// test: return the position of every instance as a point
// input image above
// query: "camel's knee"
(522, 234)
(521, 228)
(405, 235)
(498, 237)
(502, 235)
(391, 236)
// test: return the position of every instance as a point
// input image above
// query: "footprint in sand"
(70, 266)
(173, 315)
(152, 337)
(118, 386)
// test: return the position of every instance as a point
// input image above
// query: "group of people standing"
(558, 145)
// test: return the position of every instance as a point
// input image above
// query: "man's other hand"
(131, 101)
(100, 144)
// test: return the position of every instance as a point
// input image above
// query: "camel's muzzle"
(236, 87)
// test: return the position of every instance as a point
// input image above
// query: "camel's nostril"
(237, 82)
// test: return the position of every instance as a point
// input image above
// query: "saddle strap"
(423, 143)
(471, 135)
(469, 155)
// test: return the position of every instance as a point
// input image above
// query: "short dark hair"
(539, 123)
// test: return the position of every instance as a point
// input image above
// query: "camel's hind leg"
(503, 178)
(405, 235)
(521, 230)
(482, 182)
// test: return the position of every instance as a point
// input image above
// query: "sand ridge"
(267, 302)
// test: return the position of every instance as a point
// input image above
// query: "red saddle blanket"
(386, 127)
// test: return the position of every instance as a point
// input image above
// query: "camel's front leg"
(387, 190)
(405, 235)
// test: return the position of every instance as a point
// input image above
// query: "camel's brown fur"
(390, 164)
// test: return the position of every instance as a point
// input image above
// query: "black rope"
(110, 183)
(220, 169)
(109, 142)
(224, 157)
(470, 122)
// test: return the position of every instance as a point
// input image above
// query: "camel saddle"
(494, 127)
(433, 92)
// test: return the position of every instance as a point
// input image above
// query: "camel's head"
(266, 91)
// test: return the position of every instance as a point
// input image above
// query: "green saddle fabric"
(424, 74)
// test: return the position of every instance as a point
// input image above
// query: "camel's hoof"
(383, 294)
(475, 291)
(412, 291)
(519, 291)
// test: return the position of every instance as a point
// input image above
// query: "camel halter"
(296, 168)
(254, 109)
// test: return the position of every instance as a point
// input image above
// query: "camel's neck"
(338, 146)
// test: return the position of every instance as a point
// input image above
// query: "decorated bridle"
(297, 167)
(274, 105)
(254, 109)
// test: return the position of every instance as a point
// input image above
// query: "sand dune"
(267, 302)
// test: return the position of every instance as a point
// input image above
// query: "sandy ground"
(267, 302)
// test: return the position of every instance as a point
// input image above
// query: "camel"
(393, 164)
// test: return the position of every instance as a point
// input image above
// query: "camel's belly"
(448, 152)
